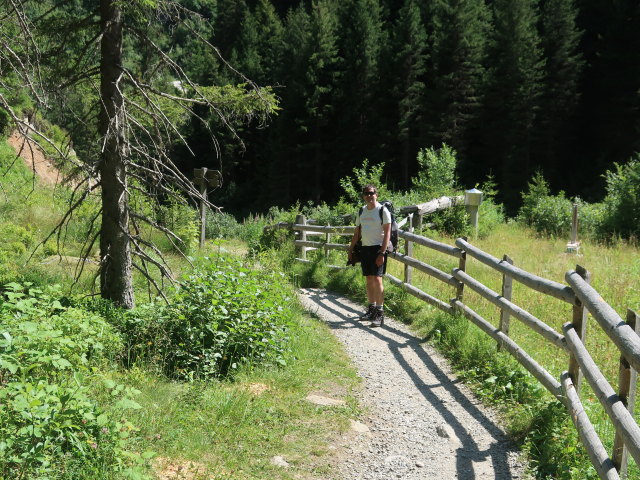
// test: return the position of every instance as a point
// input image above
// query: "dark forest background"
(514, 86)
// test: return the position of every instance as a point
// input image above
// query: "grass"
(615, 271)
(216, 429)
(232, 430)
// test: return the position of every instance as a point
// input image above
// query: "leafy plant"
(491, 213)
(622, 203)
(436, 175)
(182, 220)
(363, 176)
(547, 214)
(50, 427)
(223, 316)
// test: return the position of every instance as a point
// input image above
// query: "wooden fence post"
(205, 178)
(580, 324)
(507, 290)
(327, 242)
(301, 220)
(462, 265)
(627, 382)
(408, 251)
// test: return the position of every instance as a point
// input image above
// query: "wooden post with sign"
(205, 178)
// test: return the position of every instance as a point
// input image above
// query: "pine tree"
(461, 29)
(407, 83)
(357, 115)
(322, 76)
(610, 112)
(564, 64)
(282, 146)
(259, 44)
(513, 95)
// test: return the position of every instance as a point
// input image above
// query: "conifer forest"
(513, 86)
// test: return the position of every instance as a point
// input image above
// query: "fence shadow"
(340, 314)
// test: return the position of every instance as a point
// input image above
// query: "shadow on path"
(344, 316)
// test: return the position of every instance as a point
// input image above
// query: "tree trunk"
(115, 251)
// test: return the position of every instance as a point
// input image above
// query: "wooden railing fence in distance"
(579, 294)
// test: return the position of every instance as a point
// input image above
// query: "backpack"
(393, 238)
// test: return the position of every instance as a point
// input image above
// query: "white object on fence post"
(574, 245)
(472, 201)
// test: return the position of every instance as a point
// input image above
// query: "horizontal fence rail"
(571, 341)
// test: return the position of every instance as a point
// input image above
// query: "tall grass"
(615, 274)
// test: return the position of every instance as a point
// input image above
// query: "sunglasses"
(369, 193)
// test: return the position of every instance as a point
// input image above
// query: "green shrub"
(552, 215)
(223, 316)
(547, 214)
(51, 430)
(491, 213)
(50, 427)
(436, 176)
(46, 338)
(591, 217)
(183, 221)
(363, 176)
(15, 240)
(221, 225)
(622, 202)
(276, 238)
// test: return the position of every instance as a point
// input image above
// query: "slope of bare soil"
(35, 159)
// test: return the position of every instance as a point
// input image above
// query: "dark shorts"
(368, 257)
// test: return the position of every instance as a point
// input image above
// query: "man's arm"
(354, 239)
(386, 229)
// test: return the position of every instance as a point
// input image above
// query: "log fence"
(578, 293)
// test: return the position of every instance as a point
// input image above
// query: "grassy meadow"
(615, 274)
(151, 406)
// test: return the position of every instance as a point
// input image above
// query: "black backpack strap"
(381, 212)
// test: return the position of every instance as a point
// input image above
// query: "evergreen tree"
(357, 115)
(258, 51)
(280, 156)
(322, 75)
(564, 64)
(302, 141)
(610, 106)
(513, 96)
(461, 29)
(407, 84)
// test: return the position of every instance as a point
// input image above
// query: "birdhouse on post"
(205, 179)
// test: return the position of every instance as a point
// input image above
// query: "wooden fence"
(578, 293)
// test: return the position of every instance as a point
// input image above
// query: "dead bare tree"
(134, 126)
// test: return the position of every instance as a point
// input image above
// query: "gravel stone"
(424, 424)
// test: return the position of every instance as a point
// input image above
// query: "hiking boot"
(378, 319)
(368, 315)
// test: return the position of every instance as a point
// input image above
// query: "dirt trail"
(421, 422)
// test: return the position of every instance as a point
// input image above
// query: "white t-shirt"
(371, 227)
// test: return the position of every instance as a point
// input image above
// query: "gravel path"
(421, 422)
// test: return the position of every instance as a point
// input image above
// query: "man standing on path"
(373, 226)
